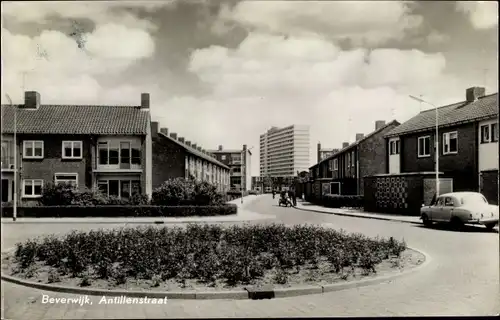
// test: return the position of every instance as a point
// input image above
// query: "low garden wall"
(114, 211)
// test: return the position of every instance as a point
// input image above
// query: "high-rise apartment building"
(284, 151)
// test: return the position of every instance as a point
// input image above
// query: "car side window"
(449, 202)
(440, 202)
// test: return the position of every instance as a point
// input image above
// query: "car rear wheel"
(490, 226)
(426, 221)
(456, 223)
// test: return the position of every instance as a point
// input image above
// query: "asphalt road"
(462, 279)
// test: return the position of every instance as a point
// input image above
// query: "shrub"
(121, 211)
(179, 191)
(339, 201)
(236, 254)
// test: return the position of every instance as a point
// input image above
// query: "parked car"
(459, 208)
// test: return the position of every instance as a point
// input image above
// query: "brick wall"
(372, 154)
(462, 167)
(52, 161)
(489, 185)
(168, 160)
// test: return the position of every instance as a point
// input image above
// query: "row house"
(342, 173)
(467, 140)
(239, 163)
(103, 147)
(175, 157)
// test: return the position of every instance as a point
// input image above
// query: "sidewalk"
(242, 215)
(303, 205)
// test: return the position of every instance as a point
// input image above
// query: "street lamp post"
(243, 166)
(436, 153)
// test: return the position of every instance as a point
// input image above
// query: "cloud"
(55, 66)
(271, 80)
(364, 22)
(482, 14)
(101, 12)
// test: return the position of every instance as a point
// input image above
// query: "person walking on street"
(274, 193)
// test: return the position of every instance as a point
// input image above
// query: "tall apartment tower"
(284, 151)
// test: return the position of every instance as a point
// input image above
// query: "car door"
(447, 209)
(437, 210)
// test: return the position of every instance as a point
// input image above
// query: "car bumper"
(483, 221)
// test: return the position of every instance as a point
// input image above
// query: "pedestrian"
(291, 195)
(274, 193)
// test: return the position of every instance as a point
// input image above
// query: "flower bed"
(114, 211)
(202, 255)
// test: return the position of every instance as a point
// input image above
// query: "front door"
(5, 190)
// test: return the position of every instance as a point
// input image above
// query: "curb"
(358, 216)
(248, 293)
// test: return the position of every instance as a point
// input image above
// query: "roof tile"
(195, 152)
(461, 112)
(76, 119)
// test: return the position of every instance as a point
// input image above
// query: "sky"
(224, 72)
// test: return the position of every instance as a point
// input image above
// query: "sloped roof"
(76, 119)
(352, 145)
(194, 152)
(457, 113)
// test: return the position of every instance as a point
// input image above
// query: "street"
(462, 278)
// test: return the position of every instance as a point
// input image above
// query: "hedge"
(340, 201)
(236, 254)
(113, 211)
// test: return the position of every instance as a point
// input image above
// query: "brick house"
(468, 144)
(343, 172)
(104, 147)
(239, 163)
(175, 157)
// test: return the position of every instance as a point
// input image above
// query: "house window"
(489, 133)
(66, 178)
(335, 164)
(394, 147)
(71, 149)
(33, 149)
(223, 157)
(450, 143)
(353, 162)
(32, 188)
(119, 153)
(485, 133)
(125, 153)
(348, 160)
(424, 146)
(122, 189)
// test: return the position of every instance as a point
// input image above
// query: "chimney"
(359, 136)
(220, 147)
(379, 124)
(244, 147)
(319, 152)
(345, 145)
(173, 135)
(154, 128)
(198, 148)
(164, 131)
(188, 143)
(203, 150)
(194, 146)
(474, 93)
(144, 100)
(181, 139)
(31, 100)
